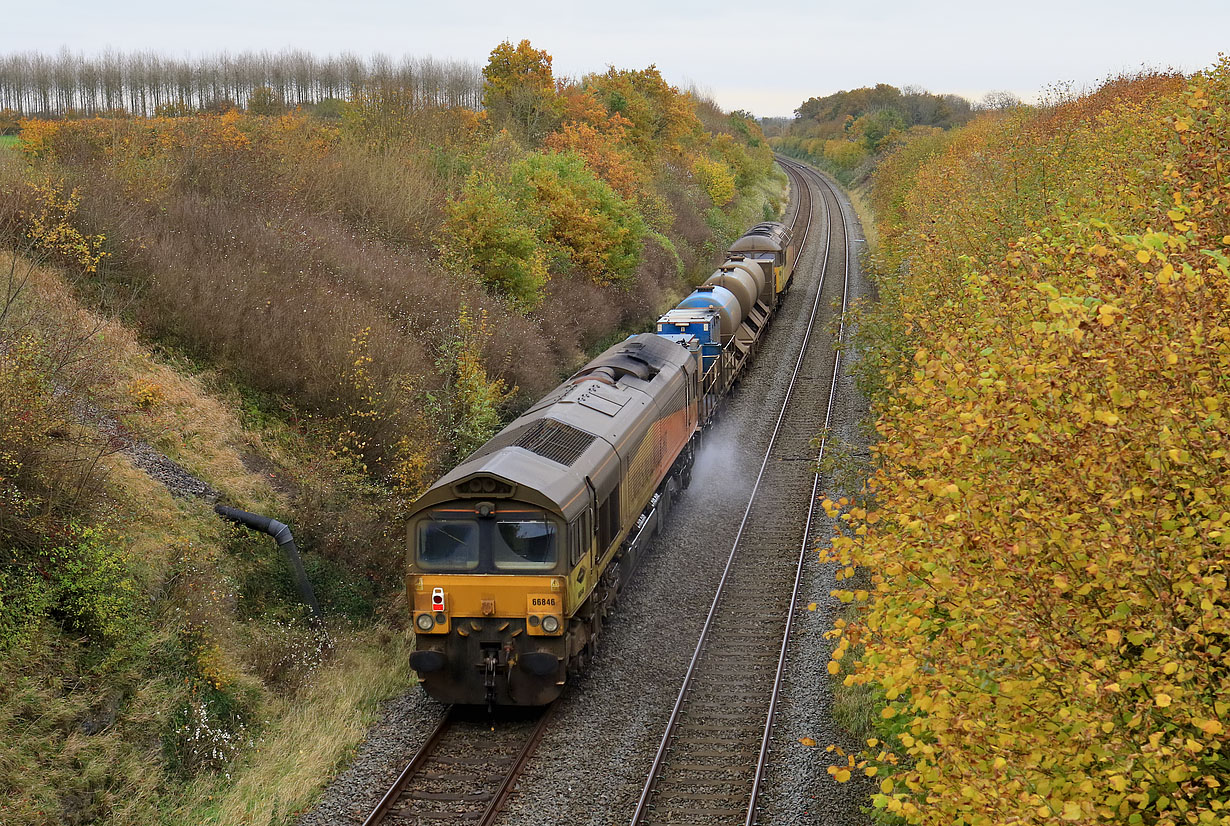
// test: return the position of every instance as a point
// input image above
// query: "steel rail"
(798, 202)
(762, 761)
(429, 748)
(506, 785)
(655, 768)
(412, 768)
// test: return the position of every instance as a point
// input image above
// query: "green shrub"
(92, 588)
(584, 222)
(25, 599)
(83, 583)
(487, 232)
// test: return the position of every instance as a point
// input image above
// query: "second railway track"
(712, 757)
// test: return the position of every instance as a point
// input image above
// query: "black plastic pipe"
(286, 543)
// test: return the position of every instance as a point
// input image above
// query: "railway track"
(711, 761)
(465, 770)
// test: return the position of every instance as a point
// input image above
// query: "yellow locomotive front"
(516, 555)
(488, 584)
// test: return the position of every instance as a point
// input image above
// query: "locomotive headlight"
(425, 622)
(550, 624)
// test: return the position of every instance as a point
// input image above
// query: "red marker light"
(437, 599)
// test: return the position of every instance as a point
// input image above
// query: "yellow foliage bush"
(1046, 531)
(843, 153)
(145, 394)
(715, 178)
(51, 228)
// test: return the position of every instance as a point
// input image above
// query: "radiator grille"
(555, 441)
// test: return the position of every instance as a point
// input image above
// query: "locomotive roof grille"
(642, 357)
(556, 441)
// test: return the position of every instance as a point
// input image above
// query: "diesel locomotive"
(515, 557)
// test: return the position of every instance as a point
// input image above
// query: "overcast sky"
(766, 58)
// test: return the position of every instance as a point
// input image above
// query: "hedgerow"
(1048, 618)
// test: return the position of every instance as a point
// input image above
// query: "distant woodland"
(150, 83)
(847, 132)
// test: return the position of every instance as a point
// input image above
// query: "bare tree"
(999, 100)
(142, 82)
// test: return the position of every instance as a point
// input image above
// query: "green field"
(9, 141)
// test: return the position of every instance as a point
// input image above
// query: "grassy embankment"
(1042, 636)
(315, 316)
(144, 641)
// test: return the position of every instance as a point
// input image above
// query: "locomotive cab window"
(448, 545)
(524, 545)
(524, 540)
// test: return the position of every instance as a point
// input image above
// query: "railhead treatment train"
(517, 555)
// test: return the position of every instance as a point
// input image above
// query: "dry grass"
(309, 738)
(152, 401)
(189, 625)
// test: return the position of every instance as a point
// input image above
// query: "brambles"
(472, 412)
(1048, 615)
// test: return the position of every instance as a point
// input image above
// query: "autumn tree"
(660, 117)
(600, 137)
(518, 88)
(486, 232)
(584, 222)
(1044, 606)
(265, 101)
